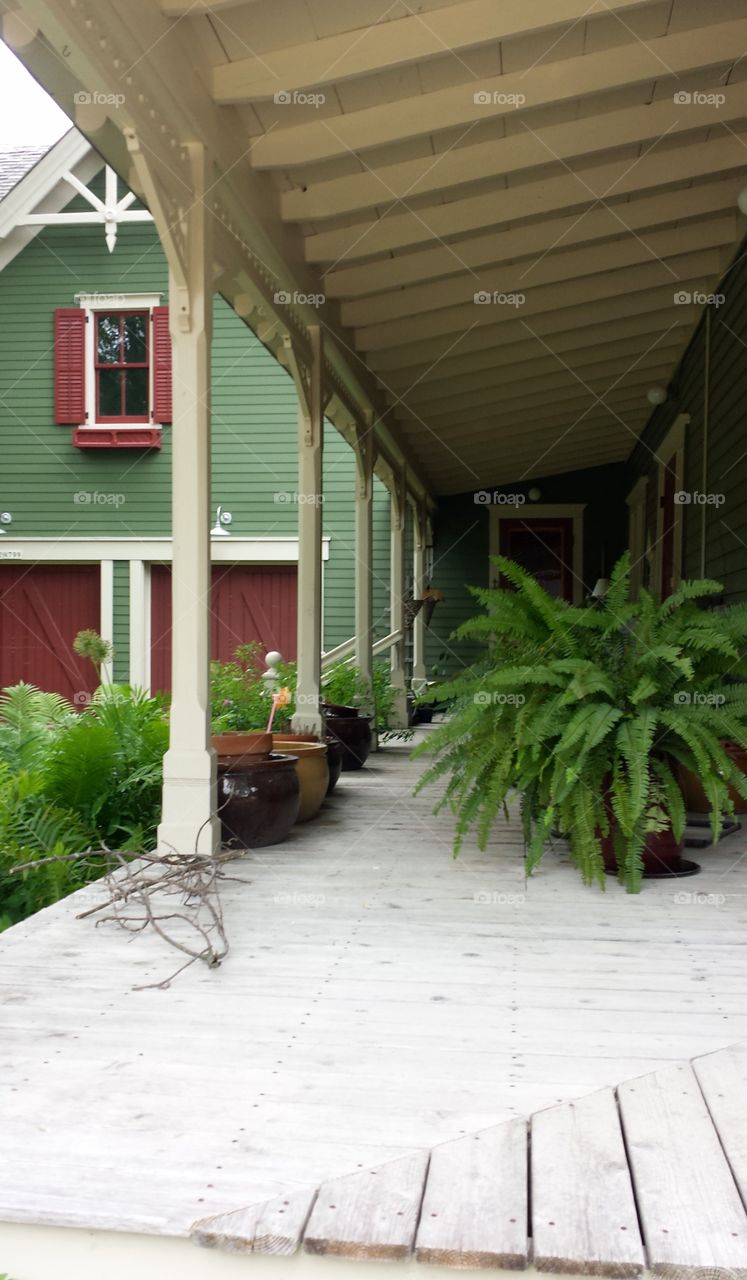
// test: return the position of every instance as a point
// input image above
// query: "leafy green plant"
(345, 686)
(29, 721)
(239, 696)
(592, 716)
(107, 766)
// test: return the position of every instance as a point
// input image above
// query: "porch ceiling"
(551, 149)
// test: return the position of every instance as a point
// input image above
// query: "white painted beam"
(598, 223)
(455, 167)
(567, 80)
(522, 277)
(392, 40)
(552, 196)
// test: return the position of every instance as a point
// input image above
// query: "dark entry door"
(544, 547)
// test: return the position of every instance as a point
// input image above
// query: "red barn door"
(42, 608)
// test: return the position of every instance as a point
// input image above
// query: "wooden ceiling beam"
(551, 196)
(430, 396)
(551, 297)
(458, 166)
(563, 384)
(639, 212)
(398, 42)
(521, 278)
(422, 358)
(566, 80)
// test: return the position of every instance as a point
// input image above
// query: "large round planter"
(238, 747)
(312, 770)
(258, 801)
(353, 736)
(696, 800)
(662, 856)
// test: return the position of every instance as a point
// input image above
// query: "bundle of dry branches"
(177, 895)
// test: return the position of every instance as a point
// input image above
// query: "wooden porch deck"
(379, 999)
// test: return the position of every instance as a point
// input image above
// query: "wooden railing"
(345, 652)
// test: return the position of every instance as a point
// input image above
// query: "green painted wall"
(121, 629)
(56, 490)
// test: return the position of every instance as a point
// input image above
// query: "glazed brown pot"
(662, 854)
(334, 761)
(337, 709)
(238, 746)
(353, 736)
(692, 789)
(258, 800)
(312, 770)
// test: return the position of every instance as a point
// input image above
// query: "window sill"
(117, 437)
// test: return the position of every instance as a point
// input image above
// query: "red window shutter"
(161, 365)
(70, 365)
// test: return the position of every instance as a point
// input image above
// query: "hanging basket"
(412, 608)
(430, 599)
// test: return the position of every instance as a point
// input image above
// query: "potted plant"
(258, 789)
(431, 597)
(588, 715)
(345, 691)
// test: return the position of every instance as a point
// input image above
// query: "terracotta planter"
(238, 747)
(353, 736)
(696, 800)
(312, 770)
(258, 800)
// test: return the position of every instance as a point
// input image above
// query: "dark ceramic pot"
(662, 855)
(692, 788)
(334, 760)
(337, 709)
(353, 736)
(258, 801)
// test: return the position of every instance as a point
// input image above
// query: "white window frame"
(673, 445)
(92, 303)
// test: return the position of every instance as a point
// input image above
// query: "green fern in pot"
(590, 714)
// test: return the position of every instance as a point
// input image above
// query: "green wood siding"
(720, 465)
(121, 629)
(56, 490)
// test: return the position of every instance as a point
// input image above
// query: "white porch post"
(310, 508)
(365, 455)
(188, 820)
(397, 589)
(420, 531)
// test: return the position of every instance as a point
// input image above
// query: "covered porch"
(477, 237)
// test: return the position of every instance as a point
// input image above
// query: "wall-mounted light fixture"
(222, 518)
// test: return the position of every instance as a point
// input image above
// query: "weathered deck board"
(379, 998)
(691, 1213)
(372, 1214)
(274, 1227)
(722, 1078)
(475, 1205)
(583, 1210)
